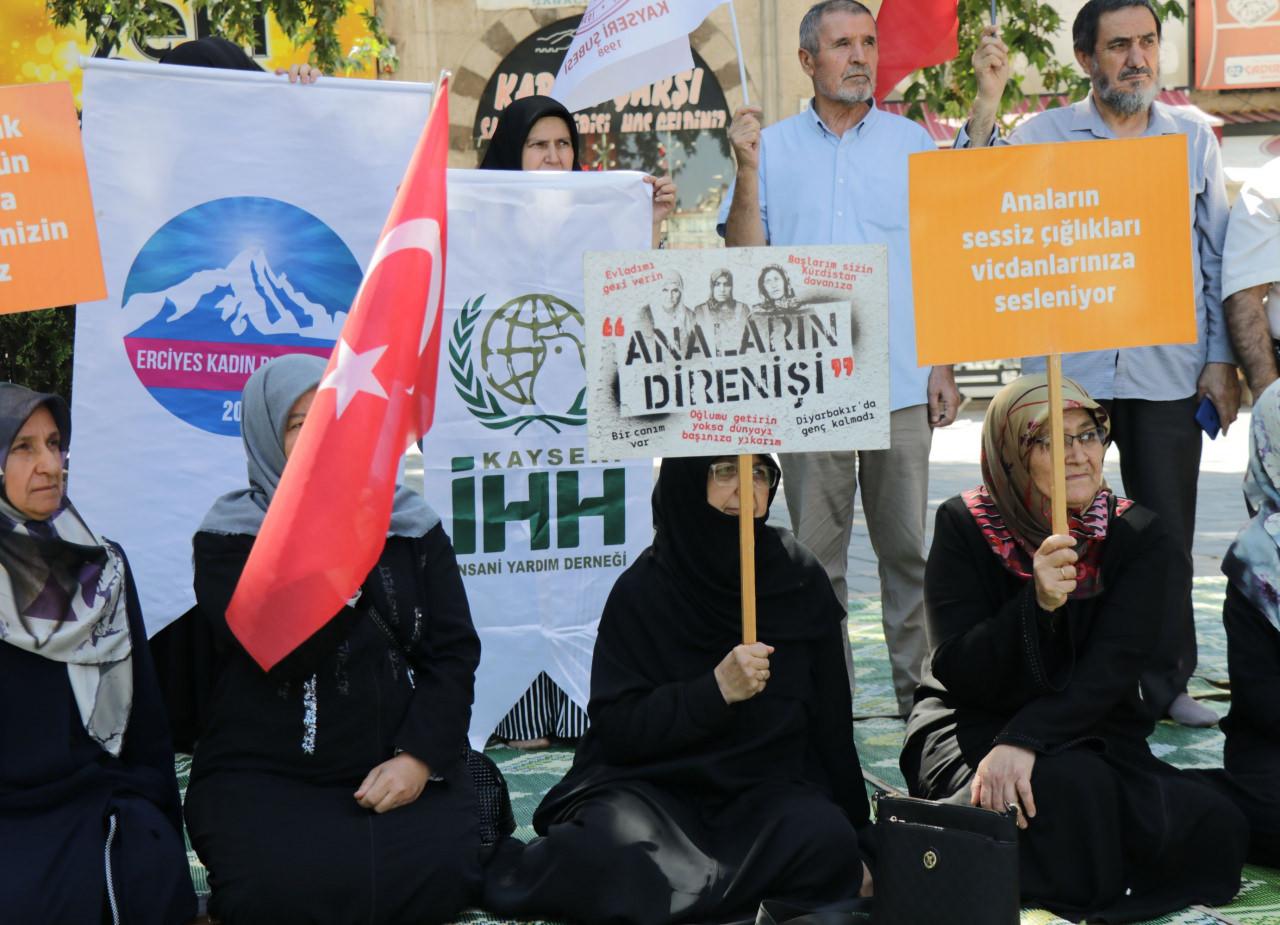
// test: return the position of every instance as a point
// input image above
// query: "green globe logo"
(530, 367)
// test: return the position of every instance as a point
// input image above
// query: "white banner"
(525, 4)
(540, 533)
(624, 44)
(741, 350)
(236, 213)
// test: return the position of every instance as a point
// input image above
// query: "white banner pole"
(742, 66)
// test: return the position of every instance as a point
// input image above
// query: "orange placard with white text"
(48, 238)
(1028, 250)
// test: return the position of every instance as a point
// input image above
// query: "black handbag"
(942, 864)
(849, 912)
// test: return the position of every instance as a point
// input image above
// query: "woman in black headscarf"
(1029, 700)
(715, 774)
(332, 787)
(538, 133)
(215, 51)
(90, 829)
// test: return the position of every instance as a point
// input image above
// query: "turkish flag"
(327, 523)
(914, 34)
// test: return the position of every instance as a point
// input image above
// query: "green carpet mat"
(531, 774)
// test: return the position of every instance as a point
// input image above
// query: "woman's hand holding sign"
(1055, 571)
(744, 672)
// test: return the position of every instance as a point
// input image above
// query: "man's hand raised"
(991, 68)
(744, 135)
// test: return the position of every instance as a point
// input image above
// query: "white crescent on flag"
(423, 234)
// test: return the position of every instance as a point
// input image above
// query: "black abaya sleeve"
(219, 559)
(146, 738)
(1253, 662)
(1124, 632)
(974, 631)
(635, 717)
(435, 727)
(831, 733)
(987, 642)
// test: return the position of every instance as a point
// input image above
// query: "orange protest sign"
(1029, 250)
(48, 239)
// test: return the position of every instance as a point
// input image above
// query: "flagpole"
(1057, 458)
(747, 545)
(742, 66)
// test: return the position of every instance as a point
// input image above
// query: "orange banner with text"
(1027, 250)
(48, 239)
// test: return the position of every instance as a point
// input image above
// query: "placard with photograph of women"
(744, 350)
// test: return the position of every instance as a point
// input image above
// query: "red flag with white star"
(914, 34)
(327, 523)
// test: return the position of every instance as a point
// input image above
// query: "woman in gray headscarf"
(1251, 614)
(332, 788)
(90, 829)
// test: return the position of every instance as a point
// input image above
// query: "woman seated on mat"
(715, 774)
(1030, 697)
(1251, 614)
(538, 133)
(332, 788)
(90, 826)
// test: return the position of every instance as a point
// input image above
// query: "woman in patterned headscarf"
(1251, 614)
(332, 788)
(1029, 701)
(90, 829)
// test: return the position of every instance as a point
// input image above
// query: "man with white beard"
(1151, 393)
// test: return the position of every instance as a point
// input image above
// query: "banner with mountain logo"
(540, 532)
(236, 214)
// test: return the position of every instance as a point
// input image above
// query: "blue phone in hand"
(1207, 418)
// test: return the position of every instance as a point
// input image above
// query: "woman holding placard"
(715, 774)
(537, 133)
(90, 826)
(1030, 699)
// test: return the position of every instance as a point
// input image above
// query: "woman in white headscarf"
(333, 787)
(90, 829)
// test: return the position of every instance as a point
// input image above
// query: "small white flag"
(624, 44)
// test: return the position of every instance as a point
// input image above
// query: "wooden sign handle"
(1056, 448)
(747, 545)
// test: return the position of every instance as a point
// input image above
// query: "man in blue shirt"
(837, 174)
(1151, 393)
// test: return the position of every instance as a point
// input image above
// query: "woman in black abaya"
(1029, 700)
(715, 774)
